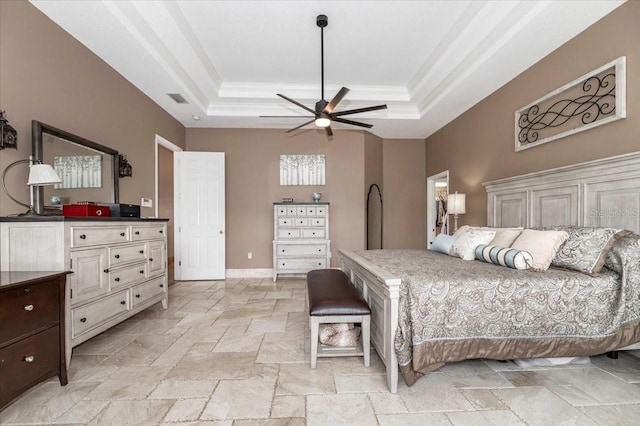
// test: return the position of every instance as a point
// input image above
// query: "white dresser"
(300, 238)
(118, 264)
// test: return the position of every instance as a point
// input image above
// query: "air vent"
(178, 98)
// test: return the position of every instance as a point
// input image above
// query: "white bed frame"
(602, 193)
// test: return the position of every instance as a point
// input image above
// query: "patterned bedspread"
(451, 310)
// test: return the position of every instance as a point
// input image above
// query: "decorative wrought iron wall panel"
(596, 98)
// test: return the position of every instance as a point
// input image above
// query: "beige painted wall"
(373, 174)
(47, 75)
(479, 145)
(253, 185)
(405, 194)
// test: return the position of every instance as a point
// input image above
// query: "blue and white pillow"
(504, 256)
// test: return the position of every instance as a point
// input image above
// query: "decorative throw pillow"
(443, 243)
(462, 230)
(586, 248)
(505, 237)
(465, 245)
(504, 256)
(542, 245)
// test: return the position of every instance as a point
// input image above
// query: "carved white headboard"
(602, 193)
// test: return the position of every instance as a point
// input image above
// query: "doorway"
(164, 194)
(437, 191)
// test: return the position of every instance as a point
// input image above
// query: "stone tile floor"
(236, 352)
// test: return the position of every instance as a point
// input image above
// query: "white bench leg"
(315, 324)
(366, 335)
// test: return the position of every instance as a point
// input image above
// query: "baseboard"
(249, 273)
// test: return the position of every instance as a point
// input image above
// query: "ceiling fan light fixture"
(322, 122)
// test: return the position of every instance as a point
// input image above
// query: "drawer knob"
(28, 308)
(137, 232)
(27, 290)
(313, 233)
(289, 233)
(283, 250)
(122, 302)
(161, 231)
(319, 250)
(117, 256)
(161, 285)
(83, 237)
(29, 358)
(141, 251)
(106, 271)
(142, 271)
(117, 279)
(83, 319)
(138, 296)
(151, 259)
(122, 234)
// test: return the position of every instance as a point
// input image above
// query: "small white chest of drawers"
(118, 266)
(300, 238)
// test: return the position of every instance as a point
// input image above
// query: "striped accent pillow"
(509, 257)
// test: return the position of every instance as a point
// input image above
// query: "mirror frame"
(37, 129)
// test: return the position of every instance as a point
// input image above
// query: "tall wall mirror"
(89, 171)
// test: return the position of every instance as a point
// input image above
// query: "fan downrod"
(322, 21)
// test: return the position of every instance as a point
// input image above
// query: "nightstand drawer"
(145, 291)
(27, 309)
(128, 275)
(313, 233)
(28, 362)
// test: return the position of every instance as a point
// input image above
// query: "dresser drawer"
(302, 264)
(28, 362)
(288, 233)
(91, 315)
(281, 211)
(321, 211)
(318, 221)
(286, 222)
(301, 221)
(145, 291)
(301, 211)
(301, 249)
(126, 254)
(127, 275)
(27, 309)
(148, 232)
(84, 236)
(313, 233)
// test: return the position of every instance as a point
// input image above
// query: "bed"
(429, 308)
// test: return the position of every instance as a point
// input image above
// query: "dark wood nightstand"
(32, 330)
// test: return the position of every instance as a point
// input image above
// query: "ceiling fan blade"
(356, 111)
(302, 125)
(336, 100)
(354, 123)
(285, 116)
(328, 131)
(297, 103)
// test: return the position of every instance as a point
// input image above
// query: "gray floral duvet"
(451, 309)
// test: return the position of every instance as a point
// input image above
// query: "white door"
(199, 215)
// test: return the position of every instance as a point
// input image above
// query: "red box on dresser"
(85, 210)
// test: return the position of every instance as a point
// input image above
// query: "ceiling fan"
(324, 113)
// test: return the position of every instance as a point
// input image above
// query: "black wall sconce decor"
(125, 168)
(8, 135)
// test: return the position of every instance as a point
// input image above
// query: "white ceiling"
(429, 61)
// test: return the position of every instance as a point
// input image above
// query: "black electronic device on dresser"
(123, 210)
(32, 327)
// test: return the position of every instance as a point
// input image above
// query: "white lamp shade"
(456, 204)
(42, 174)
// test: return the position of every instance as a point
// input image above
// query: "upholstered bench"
(332, 299)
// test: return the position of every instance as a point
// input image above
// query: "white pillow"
(505, 237)
(443, 243)
(542, 245)
(465, 245)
